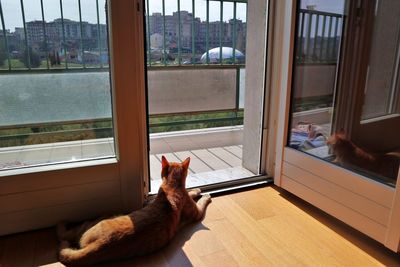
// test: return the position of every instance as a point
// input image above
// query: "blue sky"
(13, 18)
(334, 6)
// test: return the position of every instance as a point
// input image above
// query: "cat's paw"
(206, 198)
(193, 193)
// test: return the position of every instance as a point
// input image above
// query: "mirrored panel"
(345, 89)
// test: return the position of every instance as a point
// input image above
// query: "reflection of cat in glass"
(348, 154)
(142, 231)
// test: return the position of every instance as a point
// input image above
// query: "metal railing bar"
(193, 32)
(234, 32)
(334, 49)
(99, 32)
(45, 35)
(207, 31)
(5, 36)
(328, 45)
(164, 55)
(28, 52)
(315, 12)
(105, 69)
(322, 38)
(301, 37)
(237, 99)
(197, 66)
(221, 27)
(179, 33)
(316, 36)
(310, 16)
(63, 35)
(55, 70)
(148, 32)
(81, 29)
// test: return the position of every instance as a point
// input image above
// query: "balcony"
(195, 92)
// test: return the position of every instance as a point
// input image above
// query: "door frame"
(366, 205)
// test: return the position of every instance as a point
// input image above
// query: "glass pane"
(382, 88)
(196, 108)
(329, 107)
(55, 96)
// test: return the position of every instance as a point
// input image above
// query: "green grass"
(16, 64)
(102, 129)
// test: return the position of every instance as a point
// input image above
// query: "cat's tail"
(86, 256)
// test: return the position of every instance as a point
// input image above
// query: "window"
(55, 95)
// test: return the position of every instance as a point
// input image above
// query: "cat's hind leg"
(74, 234)
(86, 256)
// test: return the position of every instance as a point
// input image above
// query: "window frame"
(51, 187)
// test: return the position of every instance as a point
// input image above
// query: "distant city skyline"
(13, 18)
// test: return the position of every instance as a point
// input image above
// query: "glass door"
(198, 57)
(350, 122)
(342, 147)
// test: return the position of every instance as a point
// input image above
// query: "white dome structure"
(227, 54)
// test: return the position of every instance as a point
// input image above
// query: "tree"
(33, 56)
(3, 54)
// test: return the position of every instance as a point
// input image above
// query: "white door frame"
(368, 206)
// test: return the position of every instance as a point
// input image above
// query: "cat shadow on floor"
(171, 255)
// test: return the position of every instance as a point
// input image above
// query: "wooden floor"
(260, 227)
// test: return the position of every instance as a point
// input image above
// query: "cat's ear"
(164, 162)
(185, 164)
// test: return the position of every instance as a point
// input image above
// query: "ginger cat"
(347, 152)
(140, 232)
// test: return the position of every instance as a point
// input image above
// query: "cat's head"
(338, 140)
(174, 173)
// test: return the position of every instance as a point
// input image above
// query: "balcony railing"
(62, 44)
(319, 35)
(318, 46)
(201, 38)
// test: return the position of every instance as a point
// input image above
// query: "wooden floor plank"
(238, 245)
(19, 250)
(211, 160)
(235, 232)
(235, 150)
(221, 258)
(46, 249)
(226, 156)
(196, 164)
